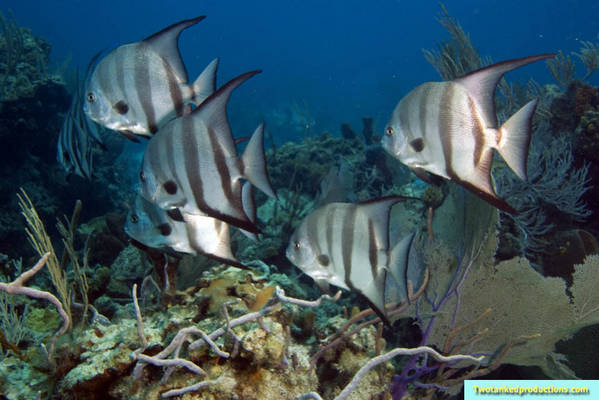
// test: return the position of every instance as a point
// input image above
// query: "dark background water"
(334, 61)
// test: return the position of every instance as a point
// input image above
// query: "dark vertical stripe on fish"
(347, 244)
(119, 70)
(105, 76)
(192, 162)
(445, 126)
(223, 170)
(171, 149)
(329, 226)
(312, 232)
(143, 87)
(423, 108)
(173, 88)
(372, 248)
(404, 115)
(477, 133)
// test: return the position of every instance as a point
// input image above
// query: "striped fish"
(138, 87)
(450, 129)
(192, 163)
(78, 138)
(347, 245)
(184, 233)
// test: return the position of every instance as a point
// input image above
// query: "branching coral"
(554, 184)
(455, 58)
(16, 287)
(589, 55)
(507, 312)
(13, 43)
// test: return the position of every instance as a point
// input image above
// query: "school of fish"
(194, 185)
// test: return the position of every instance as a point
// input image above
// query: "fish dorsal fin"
(213, 110)
(165, 43)
(378, 211)
(481, 84)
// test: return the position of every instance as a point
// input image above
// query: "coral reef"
(269, 362)
(198, 329)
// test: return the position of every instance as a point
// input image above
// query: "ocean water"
(337, 60)
(324, 63)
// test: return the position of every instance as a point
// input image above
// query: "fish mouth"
(119, 126)
(320, 275)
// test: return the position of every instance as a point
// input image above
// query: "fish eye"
(170, 187)
(296, 244)
(142, 176)
(134, 219)
(91, 97)
(389, 131)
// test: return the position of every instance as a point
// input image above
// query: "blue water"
(334, 61)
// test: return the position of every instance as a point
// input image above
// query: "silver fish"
(184, 233)
(347, 245)
(450, 129)
(77, 138)
(192, 163)
(138, 87)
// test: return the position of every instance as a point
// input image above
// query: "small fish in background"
(450, 129)
(184, 233)
(347, 245)
(192, 163)
(77, 138)
(138, 87)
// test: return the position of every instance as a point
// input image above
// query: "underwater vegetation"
(87, 312)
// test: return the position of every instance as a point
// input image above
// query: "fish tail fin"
(254, 163)
(515, 136)
(205, 84)
(398, 264)
(249, 207)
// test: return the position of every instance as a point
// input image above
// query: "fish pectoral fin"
(515, 136)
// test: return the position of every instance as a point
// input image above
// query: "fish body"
(347, 245)
(192, 163)
(450, 129)
(138, 87)
(189, 233)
